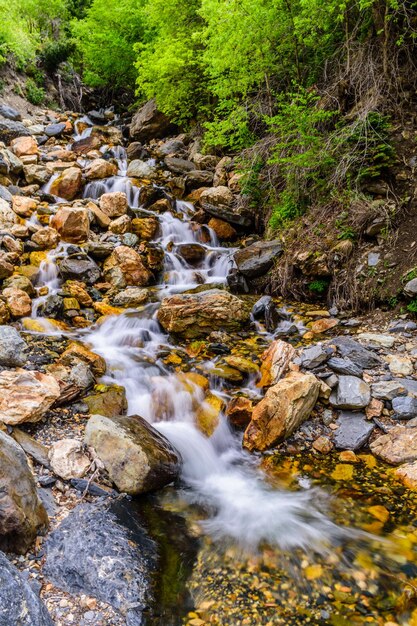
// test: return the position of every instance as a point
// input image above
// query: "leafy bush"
(412, 306)
(35, 94)
(318, 286)
(56, 52)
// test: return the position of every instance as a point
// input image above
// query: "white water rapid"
(217, 473)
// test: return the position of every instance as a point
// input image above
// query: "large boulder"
(12, 347)
(257, 259)
(19, 603)
(140, 169)
(195, 315)
(137, 457)
(284, 408)
(72, 224)
(102, 550)
(68, 185)
(347, 347)
(275, 362)
(22, 514)
(100, 168)
(149, 123)
(25, 395)
(125, 267)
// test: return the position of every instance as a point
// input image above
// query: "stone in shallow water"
(102, 550)
(399, 445)
(19, 604)
(353, 431)
(351, 393)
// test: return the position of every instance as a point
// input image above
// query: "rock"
(388, 390)
(33, 448)
(137, 457)
(353, 431)
(73, 381)
(323, 325)
(386, 341)
(107, 400)
(78, 351)
(46, 238)
(131, 297)
(140, 169)
(6, 268)
(68, 459)
(239, 217)
(196, 179)
(10, 113)
(4, 313)
(407, 474)
(101, 550)
(7, 217)
(25, 396)
(5, 194)
(148, 123)
(125, 267)
(10, 129)
(99, 169)
(352, 393)
(405, 408)
(323, 445)
(217, 196)
(399, 366)
(195, 315)
(36, 174)
(374, 408)
(284, 408)
(83, 269)
(402, 326)
(113, 204)
(22, 515)
(257, 259)
(55, 130)
(121, 225)
(355, 352)
(223, 230)
(19, 604)
(399, 445)
(83, 146)
(68, 185)
(314, 356)
(136, 150)
(24, 207)
(239, 412)
(18, 302)
(275, 362)
(12, 347)
(410, 288)
(344, 366)
(192, 252)
(179, 166)
(24, 146)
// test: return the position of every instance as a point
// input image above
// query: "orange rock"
(323, 444)
(99, 168)
(68, 185)
(78, 351)
(223, 230)
(374, 408)
(113, 204)
(24, 206)
(239, 411)
(323, 325)
(275, 362)
(72, 224)
(24, 146)
(18, 302)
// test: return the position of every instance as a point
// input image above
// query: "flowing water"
(224, 490)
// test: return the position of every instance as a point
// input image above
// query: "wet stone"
(353, 431)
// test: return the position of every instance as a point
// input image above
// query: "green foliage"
(410, 275)
(412, 306)
(56, 52)
(105, 39)
(35, 94)
(318, 286)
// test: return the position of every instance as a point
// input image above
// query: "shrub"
(34, 94)
(318, 286)
(412, 306)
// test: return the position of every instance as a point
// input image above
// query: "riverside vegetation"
(204, 418)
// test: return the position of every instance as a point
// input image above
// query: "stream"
(265, 540)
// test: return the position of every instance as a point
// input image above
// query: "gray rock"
(405, 408)
(314, 356)
(410, 288)
(402, 326)
(10, 130)
(54, 130)
(83, 269)
(179, 166)
(5, 194)
(19, 604)
(344, 366)
(353, 431)
(355, 352)
(102, 550)
(409, 383)
(373, 259)
(199, 178)
(257, 259)
(140, 169)
(388, 390)
(10, 113)
(351, 393)
(12, 347)
(237, 217)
